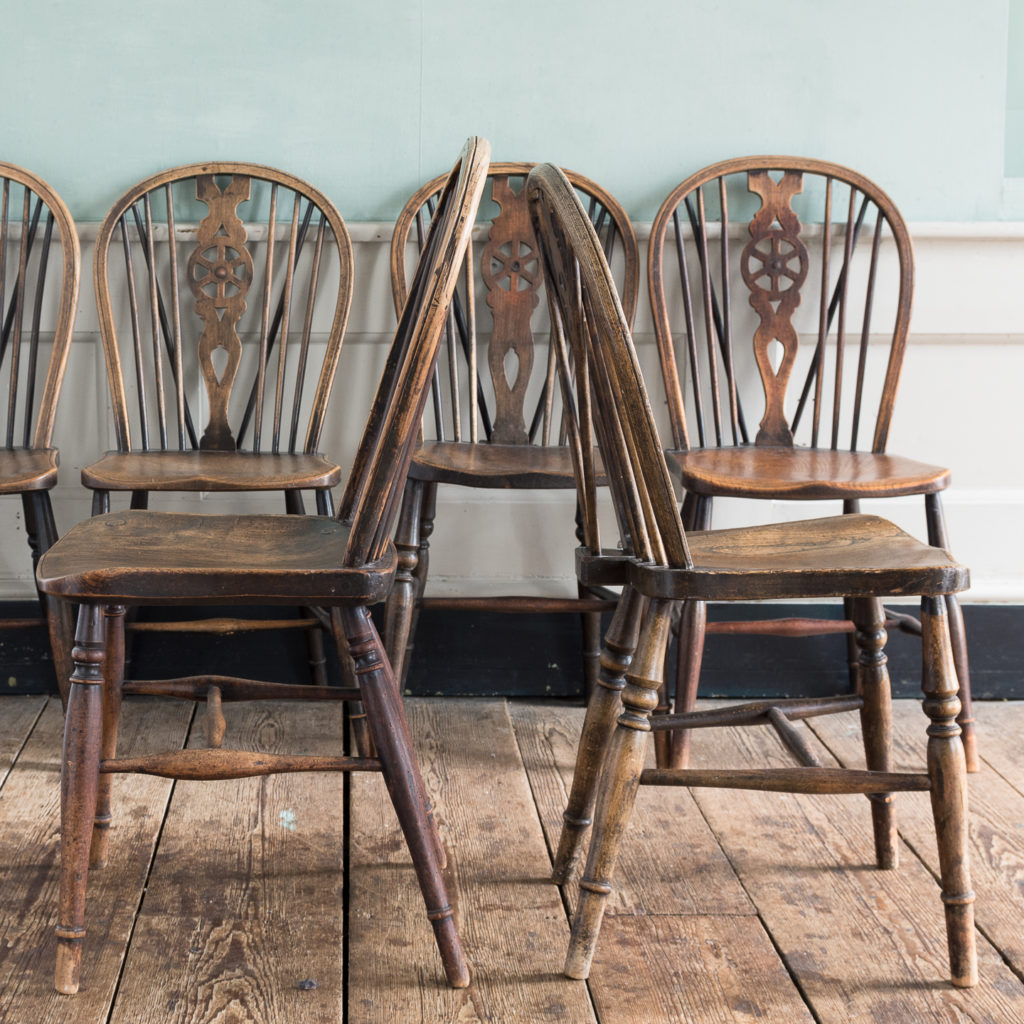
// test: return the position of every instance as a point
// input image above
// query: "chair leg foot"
(947, 769)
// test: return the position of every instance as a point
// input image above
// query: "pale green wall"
(367, 99)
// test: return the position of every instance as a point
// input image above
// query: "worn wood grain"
(995, 812)
(29, 830)
(862, 944)
(712, 970)
(666, 829)
(19, 716)
(244, 903)
(511, 920)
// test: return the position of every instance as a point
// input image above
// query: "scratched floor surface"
(291, 899)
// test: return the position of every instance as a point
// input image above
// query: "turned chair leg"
(948, 773)
(603, 708)
(876, 719)
(83, 732)
(674, 750)
(939, 537)
(390, 732)
(113, 676)
(619, 782)
(403, 597)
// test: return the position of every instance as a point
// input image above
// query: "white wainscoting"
(960, 405)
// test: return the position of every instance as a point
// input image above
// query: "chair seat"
(494, 465)
(839, 556)
(27, 469)
(143, 557)
(209, 471)
(802, 473)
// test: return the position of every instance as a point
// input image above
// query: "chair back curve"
(374, 489)
(495, 378)
(223, 290)
(602, 385)
(781, 287)
(38, 298)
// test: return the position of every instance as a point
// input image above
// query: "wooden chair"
(813, 262)
(858, 557)
(345, 564)
(495, 422)
(38, 298)
(223, 290)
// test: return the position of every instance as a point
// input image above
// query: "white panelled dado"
(959, 405)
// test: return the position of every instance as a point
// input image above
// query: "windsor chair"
(813, 262)
(38, 298)
(496, 417)
(859, 557)
(223, 290)
(344, 564)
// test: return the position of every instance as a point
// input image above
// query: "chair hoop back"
(584, 305)
(495, 380)
(30, 212)
(234, 275)
(811, 260)
(378, 475)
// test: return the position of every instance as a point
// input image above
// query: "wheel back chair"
(345, 564)
(496, 408)
(38, 298)
(813, 262)
(223, 290)
(859, 557)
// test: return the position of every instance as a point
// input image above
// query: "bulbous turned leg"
(113, 676)
(402, 599)
(602, 710)
(876, 719)
(939, 537)
(390, 733)
(619, 782)
(673, 748)
(79, 784)
(948, 773)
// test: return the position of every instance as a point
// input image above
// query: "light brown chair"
(857, 557)
(39, 270)
(496, 418)
(223, 290)
(345, 564)
(781, 290)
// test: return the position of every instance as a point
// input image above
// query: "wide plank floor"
(292, 900)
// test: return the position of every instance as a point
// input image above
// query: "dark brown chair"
(857, 557)
(496, 418)
(345, 564)
(223, 290)
(39, 270)
(813, 262)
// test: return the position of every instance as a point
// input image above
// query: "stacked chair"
(343, 564)
(658, 564)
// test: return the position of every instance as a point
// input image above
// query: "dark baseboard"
(490, 654)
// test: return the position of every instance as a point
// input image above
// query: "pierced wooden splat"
(774, 266)
(511, 270)
(220, 272)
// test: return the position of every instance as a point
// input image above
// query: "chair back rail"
(810, 260)
(512, 400)
(593, 332)
(223, 290)
(375, 485)
(33, 349)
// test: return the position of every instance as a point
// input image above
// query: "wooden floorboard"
(731, 907)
